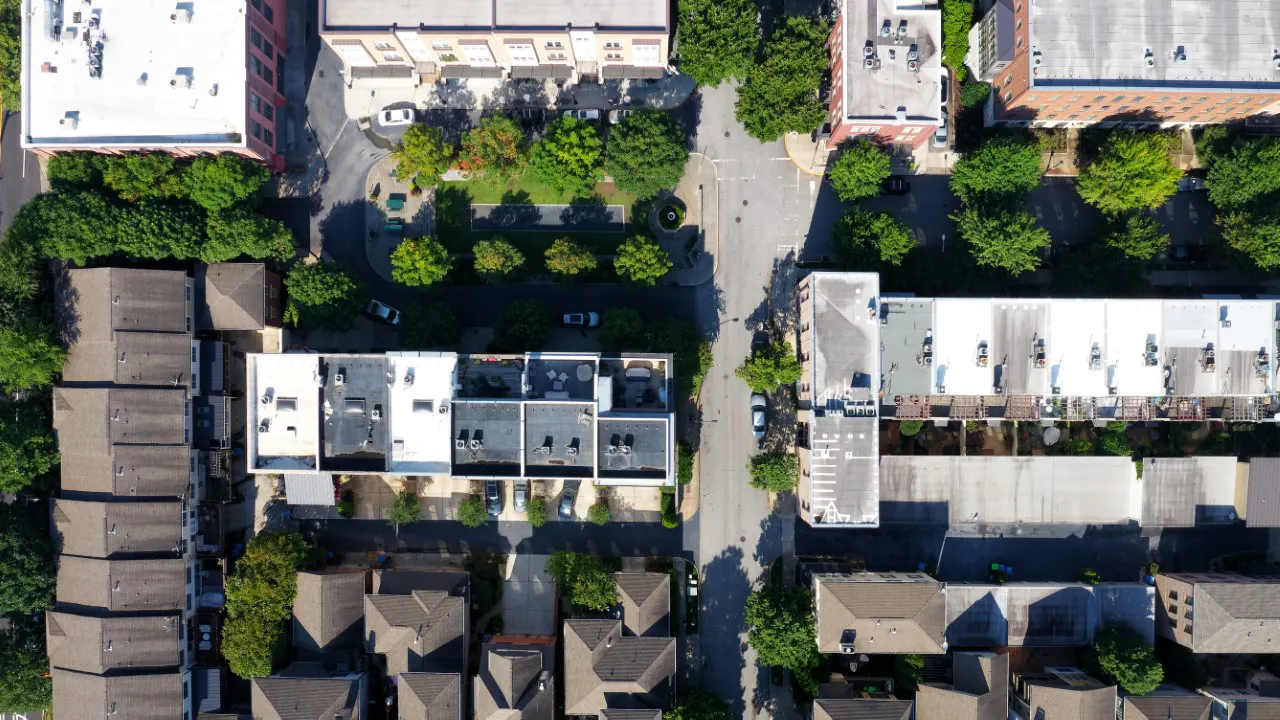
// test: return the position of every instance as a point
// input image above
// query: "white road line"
(826, 482)
(335, 138)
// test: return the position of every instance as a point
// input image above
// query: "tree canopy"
(417, 262)
(494, 151)
(999, 170)
(862, 239)
(135, 176)
(621, 328)
(424, 325)
(1248, 170)
(780, 93)
(1128, 659)
(497, 259)
(522, 327)
(472, 511)
(323, 295)
(1010, 240)
(216, 182)
(75, 170)
(260, 594)
(568, 157)
(31, 357)
(235, 233)
(27, 448)
(81, 225)
(642, 261)
(422, 155)
(646, 153)
(770, 366)
(1138, 235)
(25, 685)
(404, 509)
(566, 257)
(1132, 172)
(1257, 235)
(859, 171)
(27, 579)
(600, 512)
(253, 645)
(717, 39)
(773, 471)
(781, 628)
(584, 581)
(11, 54)
(957, 18)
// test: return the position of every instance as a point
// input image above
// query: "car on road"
(584, 115)
(617, 116)
(383, 312)
(940, 137)
(567, 498)
(521, 495)
(759, 341)
(396, 116)
(581, 320)
(1191, 183)
(895, 186)
(759, 415)
(946, 88)
(493, 498)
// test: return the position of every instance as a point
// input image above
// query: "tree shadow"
(722, 618)
(687, 117)
(455, 95)
(516, 94)
(453, 123)
(591, 213)
(516, 211)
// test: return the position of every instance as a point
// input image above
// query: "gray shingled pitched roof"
(598, 659)
(98, 644)
(81, 696)
(1167, 708)
(100, 529)
(646, 603)
(500, 695)
(132, 471)
(429, 696)
(1061, 702)
(233, 296)
(305, 698)
(130, 358)
(328, 610)
(979, 689)
(623, 714)
(886, 616)
(95, 418)
(1236, 617)
(121, 585)
(424, 631)
(847, 709)
(129, 299)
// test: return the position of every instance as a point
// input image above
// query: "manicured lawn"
(525, 190)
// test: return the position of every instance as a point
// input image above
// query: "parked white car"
(585, 115)
(398, 116)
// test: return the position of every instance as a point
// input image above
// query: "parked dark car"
(567, 498)
(493, 497)
(896, 186)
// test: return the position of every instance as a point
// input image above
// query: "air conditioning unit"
(339, 380)
(913, 66)
(180, 82)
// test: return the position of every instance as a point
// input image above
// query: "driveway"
(528, 597)
(19, 171)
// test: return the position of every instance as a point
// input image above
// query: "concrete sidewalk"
(812, 157)
(417, 216)
(695, 249)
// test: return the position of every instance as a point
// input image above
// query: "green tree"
(404, 509)
(472, 512)
(646, 153)
(859, 171)
(420, 261)
(235, 233)
(1001, 169)
(1255, 235)
(155, 230)
(908, 671)
(583, 580)
(566, 257)
(30, 356)
(522, 327)
(252, 644)
(72, 226)
(600, 513)
(27, 448)
(141, 175)
(568, 157)
(1132, 172)
(25, 685)
(1138, 235)
(910, 428)
(324, 295)
(973, 94)
(957, 18)
(1115, 440)
(429, 326)
(695, 704)
(27, 580)
(494, 152)
(1126, 658)
(1249, 170)
(863, 239)
(422, 155)
(1004, 239)
(21, 270)
(642, 261)
(497, 259)
(265, 579)
(216, 182)
(693, 358)
(621, 328)
(780, 94)
(536, 511)
(773, 471)
(717, 39)
(11, 54)
(769, 367)
(781, 628)
(75, 170)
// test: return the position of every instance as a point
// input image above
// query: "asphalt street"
(19, 171)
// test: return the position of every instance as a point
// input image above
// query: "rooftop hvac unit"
(1275, 62)
(902, 30)
(886, 29)
(913, 66)
(180, 82)
(460, 444)
(846, 649)
(376, 415)
(868, 50)
(181, 15)
(1149, 58)
(339, 380)
(869, 63)
(571, 451)
(913, 53)
(1036, 59)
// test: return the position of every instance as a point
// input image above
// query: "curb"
(787, 146)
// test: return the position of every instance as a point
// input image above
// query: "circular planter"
(671, 216)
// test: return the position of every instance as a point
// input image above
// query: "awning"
(309, 489)
(631, 72)
(559, 72)
(468, 71)
(381, 71)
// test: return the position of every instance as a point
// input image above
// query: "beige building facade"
(433, 40)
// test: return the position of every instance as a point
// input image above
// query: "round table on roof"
(584, 372)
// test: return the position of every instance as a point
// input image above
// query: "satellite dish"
(1051, 435)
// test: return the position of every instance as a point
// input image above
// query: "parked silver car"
(759, 415)
(521, 495)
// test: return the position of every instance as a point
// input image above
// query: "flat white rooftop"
(881, 91)
(1130, 326)
(127, 73)
(1077, 330)
(420, 412)
(284, 411)
(963, 328)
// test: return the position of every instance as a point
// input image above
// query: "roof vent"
(1036, 59)
(869, 63)
(1149, 58)
(182, 15)
(901, 115)
(1275, 61)
(1180, 55)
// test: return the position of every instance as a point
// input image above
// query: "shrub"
(583, 580)
(770, 367)
(974, 93)
(535, 511)
(347, 504)
(910, 428)
(600, 512)
(773, 471)
(566, 257)
(420, 261)
(642, 261)
(497, 259)
(684, 462)
(472, 512)
(1089, 576)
